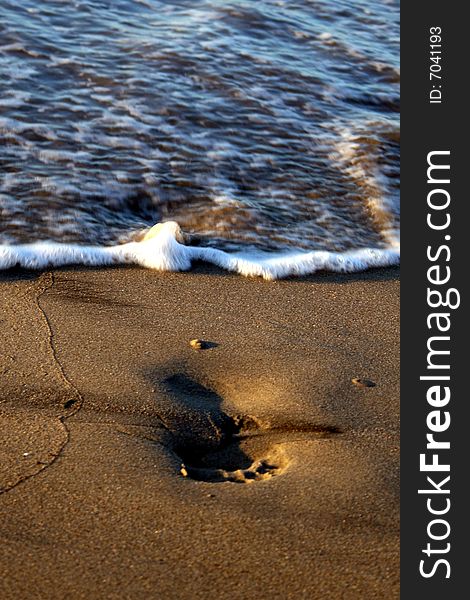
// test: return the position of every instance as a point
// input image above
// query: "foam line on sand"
(163, 249)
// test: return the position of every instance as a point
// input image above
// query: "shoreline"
(163, 249)
(140, 467)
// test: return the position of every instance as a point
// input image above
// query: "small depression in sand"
(216, 447)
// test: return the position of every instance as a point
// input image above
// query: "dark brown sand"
(136, 466)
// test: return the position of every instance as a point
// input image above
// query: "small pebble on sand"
(196, 344)
(362, 382)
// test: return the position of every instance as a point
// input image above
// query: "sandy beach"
(135, 466)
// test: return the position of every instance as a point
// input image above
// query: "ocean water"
(269, 130)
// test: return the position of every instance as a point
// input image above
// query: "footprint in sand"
(216, 447)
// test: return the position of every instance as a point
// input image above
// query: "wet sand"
(135, 466)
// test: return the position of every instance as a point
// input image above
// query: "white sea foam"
(162, 249)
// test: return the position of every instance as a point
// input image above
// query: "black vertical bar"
(429, 127)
